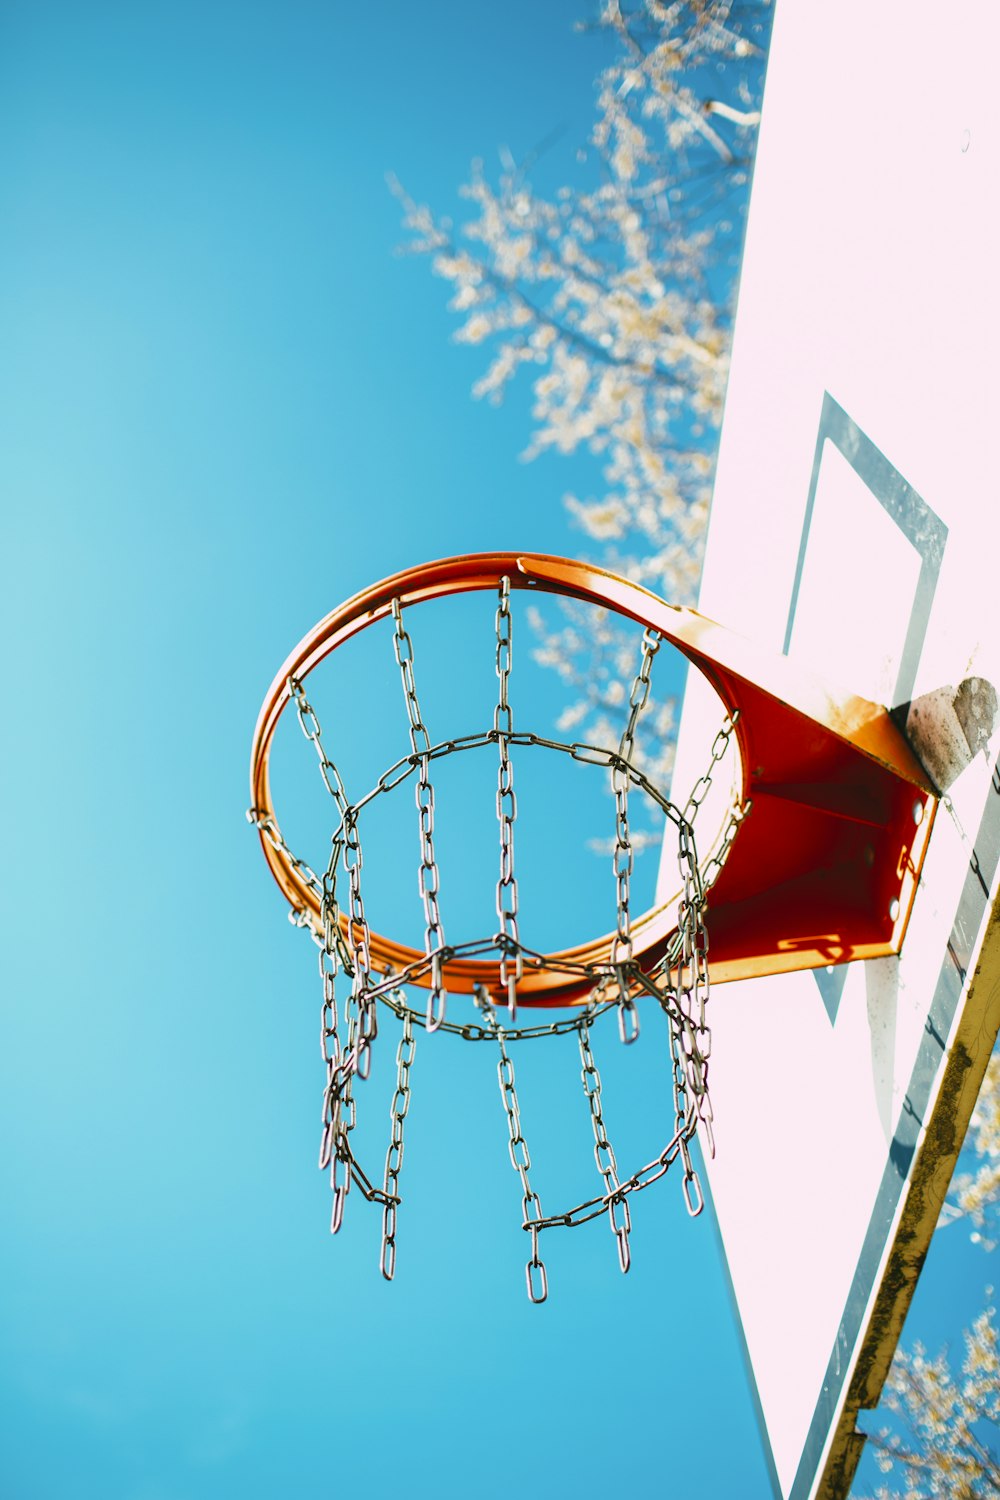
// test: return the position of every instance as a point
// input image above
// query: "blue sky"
(226, 405)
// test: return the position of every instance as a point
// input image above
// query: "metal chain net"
(678, 982)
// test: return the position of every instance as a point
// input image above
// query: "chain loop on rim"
(619, 1216)
(429, 879)
(503, 728)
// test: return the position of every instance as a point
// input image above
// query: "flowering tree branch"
(944, 1440)
(616, 296)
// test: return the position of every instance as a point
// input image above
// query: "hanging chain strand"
(619, 1216)
(429, 879)
(359, 943)
(268, 829)
(719, 747)
(503, 726)
(339, 1111)
(394, 1156)
(690, 1038)
(310, 727)
(352, 954)
(309, 723)
(624, 857)
(520, 1160)
(354, 1060)
(714, 864)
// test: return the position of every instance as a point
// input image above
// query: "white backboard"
(855, 527)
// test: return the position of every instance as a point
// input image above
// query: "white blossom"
(609, 295)
(941, 1439)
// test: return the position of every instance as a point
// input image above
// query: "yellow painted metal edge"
(973, 1038)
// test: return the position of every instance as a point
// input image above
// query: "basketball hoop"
(842, 768)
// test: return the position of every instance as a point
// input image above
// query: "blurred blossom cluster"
(616, 296)
(944, 1441)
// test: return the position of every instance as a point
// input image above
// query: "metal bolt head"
(893, 910)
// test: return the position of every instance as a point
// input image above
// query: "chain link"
(309, 724)
(359, 943)
(503, 727)
(394, 1156)
(342, 1066)
(624, 856)
(428, 878)
(471, 1031)
(334, 938)
(619, 1216)
(690, 1037)
(517, 1146)
(719, 747)
(332, 1054)
(714, 864)
(268, 828)
(712, 868)
(591, 755)
(351, 954)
